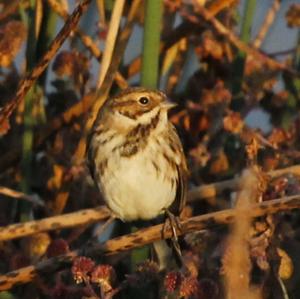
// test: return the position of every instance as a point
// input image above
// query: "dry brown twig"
(219, 5)
(97, 214)
(268, 21)
(30, 78)
(212, 190)
(101, 11)
(110, 43)
(145, 236)
(21, 196)
(78, 218)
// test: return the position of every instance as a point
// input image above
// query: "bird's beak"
(168, 105)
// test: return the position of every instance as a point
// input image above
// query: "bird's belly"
(135, 189)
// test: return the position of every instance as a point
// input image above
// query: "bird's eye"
(144, 100)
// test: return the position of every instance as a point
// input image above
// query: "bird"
(136, 157)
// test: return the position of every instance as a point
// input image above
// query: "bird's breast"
(139, 186)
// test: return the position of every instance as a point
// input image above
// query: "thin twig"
(283, 52)
(212, 190)
(29, 79)
(22, 196)
(219, 5)
(268, 21)
(145, 236)
(101, 11)
(86, 40)
(111, 39)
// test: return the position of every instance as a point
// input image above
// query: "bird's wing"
(182, 170)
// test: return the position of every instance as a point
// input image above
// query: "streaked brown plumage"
(136, 157)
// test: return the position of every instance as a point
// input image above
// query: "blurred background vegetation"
(233, 69)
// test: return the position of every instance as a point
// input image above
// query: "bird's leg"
(174, 224)
(101, 229)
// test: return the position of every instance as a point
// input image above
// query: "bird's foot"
(175, 225)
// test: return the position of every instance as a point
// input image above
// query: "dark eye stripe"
(123, 103)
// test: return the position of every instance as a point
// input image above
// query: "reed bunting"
(136, 157)
(137, 161)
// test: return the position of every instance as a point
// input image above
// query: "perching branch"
(145, 236)
(101, 213)
(81, 217)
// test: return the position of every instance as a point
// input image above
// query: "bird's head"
(140, 104)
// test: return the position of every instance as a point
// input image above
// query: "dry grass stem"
(111, 39)
(268, 21)
(219, 5)
(236, 261)
(101, 11)
(19, 195)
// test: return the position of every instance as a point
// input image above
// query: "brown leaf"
(56, 181)
(233, 122)
(220, 164)
(5, 126)
(210, 47)
(293, 15)
(219, 94)
(286, 267)
(279, 136)
(12, 35)
(72, 64)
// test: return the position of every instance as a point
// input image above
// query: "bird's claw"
(174, 225)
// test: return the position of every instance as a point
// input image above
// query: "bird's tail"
(167, 255)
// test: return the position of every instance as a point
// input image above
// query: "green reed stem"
(47, 34)
(29, 119)
(151, 43)
(239, 63)
(149, 76)
(249, 12)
